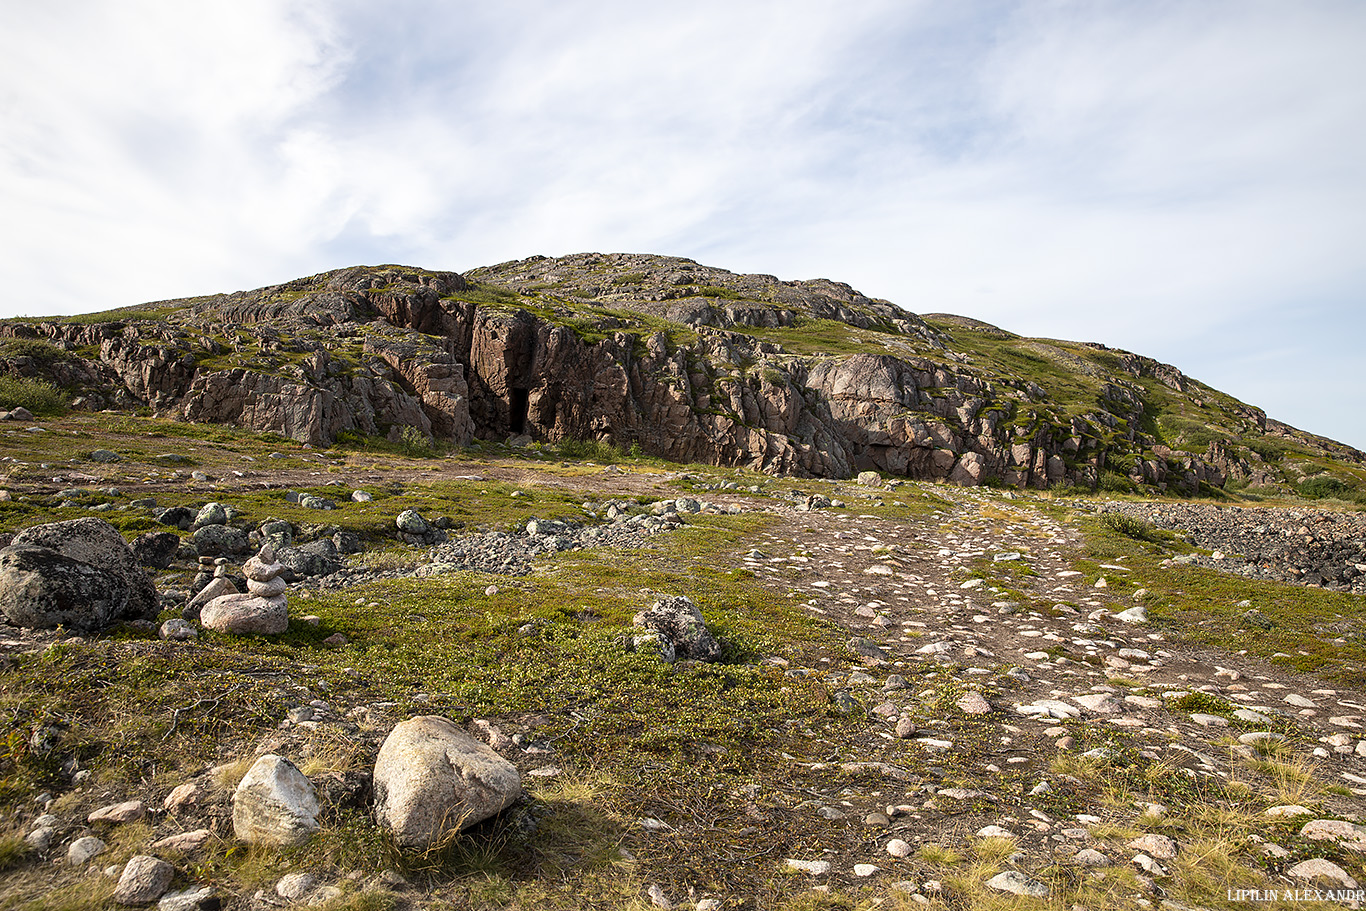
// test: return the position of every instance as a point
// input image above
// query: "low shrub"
(1131, 527)
(1114, 482)
(38, 396)
(1324, 486)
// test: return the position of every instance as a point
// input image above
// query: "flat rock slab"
(1319, 870)
(128, 811)
(1348, 834)
(1017, 883)
(1158, 846)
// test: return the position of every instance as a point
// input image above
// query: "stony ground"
(1034, 685)
(1004, 711)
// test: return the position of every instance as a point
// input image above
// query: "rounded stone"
(246, 614)
(294, 886)
(411, 521)
(432, 779)
(83, 850)
(211, 514)
(143, 881)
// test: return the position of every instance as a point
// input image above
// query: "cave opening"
(519, 401)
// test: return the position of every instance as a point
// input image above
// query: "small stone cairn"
(262, 609)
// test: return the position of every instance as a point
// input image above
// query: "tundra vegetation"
(1024, 690)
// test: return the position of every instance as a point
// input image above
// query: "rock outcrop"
(677, 359)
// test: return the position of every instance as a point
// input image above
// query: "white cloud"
(1121, 172)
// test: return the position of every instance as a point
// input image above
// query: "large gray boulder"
(432, 779)
(316, 558)
(80, 574)
(275, 804)
(680, 629)
(221, 541)
(41, 589)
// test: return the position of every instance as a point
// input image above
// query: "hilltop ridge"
(671, 358)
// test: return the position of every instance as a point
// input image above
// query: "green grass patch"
(1312, 630)
(639, 737)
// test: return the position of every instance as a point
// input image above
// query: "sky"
(1186, 180)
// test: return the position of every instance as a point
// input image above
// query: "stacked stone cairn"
(263, 609)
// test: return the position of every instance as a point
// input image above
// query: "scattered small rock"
(1017, 883)
(144, 880)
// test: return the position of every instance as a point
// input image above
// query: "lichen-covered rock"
(211, 514)
(97, 544)
(411, 522)
(679, 623)
(275, 804)
(41, 589)
(221, 541)
(432, 779)
(156, 549)
(316, 558)
(181, 517)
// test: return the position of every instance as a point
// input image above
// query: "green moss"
(489, 294)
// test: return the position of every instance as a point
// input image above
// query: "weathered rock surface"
(143, 881)
(680, 629)
(220, 541)
(275, 804)
(397, 350)
(1324, 872)
(40, 589)
(156, 550)
(85, 849)
(432, 779)
(80, 574)
(316, 558)
(244, 614)
(127, 811)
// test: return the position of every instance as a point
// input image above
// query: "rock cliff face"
(684, 361)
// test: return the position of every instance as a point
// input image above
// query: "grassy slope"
(641, 740)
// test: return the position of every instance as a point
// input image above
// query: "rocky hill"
(667, 357)
(242, 669)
